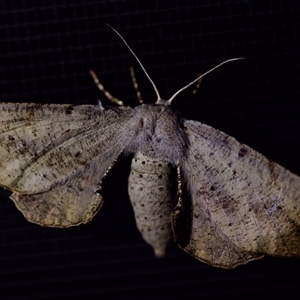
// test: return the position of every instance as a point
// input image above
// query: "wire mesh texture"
(46, 51)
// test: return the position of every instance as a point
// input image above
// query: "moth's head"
(159, 100)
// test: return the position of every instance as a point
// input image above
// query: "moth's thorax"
(158, 129)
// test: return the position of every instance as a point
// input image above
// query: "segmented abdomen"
(152, 194)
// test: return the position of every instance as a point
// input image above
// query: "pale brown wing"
(241, 201)
(43, 145)
(196, 232)
(70, 203)
(54, 157)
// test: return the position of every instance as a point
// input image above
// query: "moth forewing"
(251, 202)
(55, 173)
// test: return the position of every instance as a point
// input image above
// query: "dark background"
(47, 48)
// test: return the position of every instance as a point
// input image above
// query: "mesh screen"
(47, 49)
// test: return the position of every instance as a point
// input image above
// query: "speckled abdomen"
(152, 194)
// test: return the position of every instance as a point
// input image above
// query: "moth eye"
(160, 189)
(160, 165)
(141, 175)
(143, 162)
(160, 176)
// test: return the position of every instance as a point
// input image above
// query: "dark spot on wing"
(69, 110)
(242, 152)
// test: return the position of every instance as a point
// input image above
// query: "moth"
(221, 201)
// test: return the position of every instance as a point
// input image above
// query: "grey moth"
(220, 200)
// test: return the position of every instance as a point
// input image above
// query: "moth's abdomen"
(152, 189)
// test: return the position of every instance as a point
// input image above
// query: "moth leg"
(181, 217)
(195, 90)
(109, 96)
(135, 85)
(197, 86)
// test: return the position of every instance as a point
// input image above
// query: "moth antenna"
(219, 65)
(109, 96)
(156, 91)
(135, 85)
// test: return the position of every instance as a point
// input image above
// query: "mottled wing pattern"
(204, 240)
(72, 202)
(54, 156)
(243, 205)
